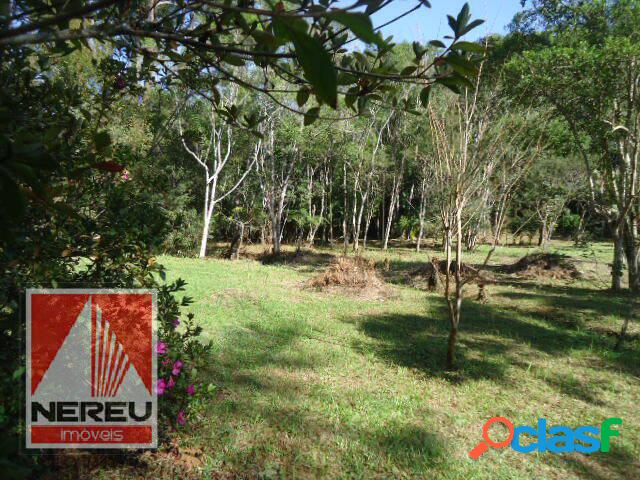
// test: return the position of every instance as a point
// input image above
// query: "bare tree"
(213, 150)
(364, 168)
(462, 166)
(275, 172)
(396, 183)
(514, 151)
(425, 161)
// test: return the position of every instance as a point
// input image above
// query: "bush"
(184, 238)
(569, 223)
(179, 357)
(109, 242)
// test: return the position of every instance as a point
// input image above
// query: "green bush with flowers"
(179, 353)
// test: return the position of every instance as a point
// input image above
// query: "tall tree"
(212, 149)
(589, 75)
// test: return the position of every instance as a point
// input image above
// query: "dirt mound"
(346, 272)
(546, 265)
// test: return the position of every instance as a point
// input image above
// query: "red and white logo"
(91, 368)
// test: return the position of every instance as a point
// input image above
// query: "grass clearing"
(311, 384)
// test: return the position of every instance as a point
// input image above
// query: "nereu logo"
(91, 369)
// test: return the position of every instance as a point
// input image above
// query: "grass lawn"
(311, 384)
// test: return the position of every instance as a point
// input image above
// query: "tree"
(459, 126)
(277, 156)
(198, 44)
(589, 76)
(212, 150)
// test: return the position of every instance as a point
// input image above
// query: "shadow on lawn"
(306, 260)
(263, 374)
(490, 336)
(618, 463)
(579, 310)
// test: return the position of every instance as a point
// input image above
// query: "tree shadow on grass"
(420, 342)
(569, 299)
(268, 386)
(618, 463)
(570, 386)
(306, 260)
(579, 312)
(489, 339)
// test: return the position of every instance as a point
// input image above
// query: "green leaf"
(453, 24)
(408, 70)
(437, 43)
(13, 199)
(462, 65)
(345, 78)
(469, 47)
(302, 97)
(314, 60)
(101, 140)
(455, 82)
(311, 115)
(418, 50)
(471, 26)
(360, 24)
(264, 39)
(18, 373)
(463, 17)
(424, 95)
(234, 60)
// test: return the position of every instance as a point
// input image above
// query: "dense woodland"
(196, 130)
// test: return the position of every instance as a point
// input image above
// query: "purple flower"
(166, 361)
(181, 418)
(171, 383)
(125, 175)
(161, 386)
(176, 322)
(191, 390)
(161, 348)
(176, 367)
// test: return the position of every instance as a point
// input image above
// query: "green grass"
(312, 384)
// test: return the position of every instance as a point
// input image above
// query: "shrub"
(179, 356)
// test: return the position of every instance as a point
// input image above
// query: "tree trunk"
(631, 254)
(366, 228)
(205, 238)
(345, 232)
(617, 265)
(542, 234)
(421, 213)
(236, 242)
(451, 348)
(623, 333)
(275, 234)
(208, 214)
(420, 235)
(330, 206)
(392, 206)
